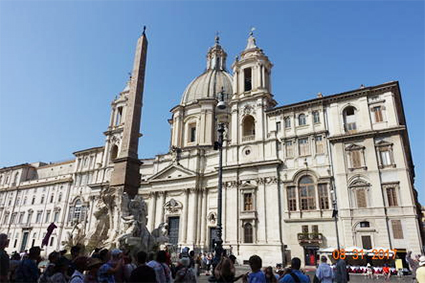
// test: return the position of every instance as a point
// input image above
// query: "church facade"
(286, 170)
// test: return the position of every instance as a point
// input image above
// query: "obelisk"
(126, 173)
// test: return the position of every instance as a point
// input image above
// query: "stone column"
(161, 207)
(199, 217)
(185, 216)
(195, 216)
(204, 218)
(152, 209)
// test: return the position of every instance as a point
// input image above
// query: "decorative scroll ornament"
(173, 206)
(248, 110)
(212, 217)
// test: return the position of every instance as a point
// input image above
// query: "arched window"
(52, 197)
(307, 193)
(301, 120)
(60, 197)
(42, 199)
(114, 152)
(248, 233)
(248, 127)
(349, 114)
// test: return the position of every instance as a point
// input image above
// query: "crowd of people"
(117, 266)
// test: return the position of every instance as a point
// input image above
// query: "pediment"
(353, 146)
(173, 171)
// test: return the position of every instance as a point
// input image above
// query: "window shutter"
(361, 198)
(355, 159)
(397, 229)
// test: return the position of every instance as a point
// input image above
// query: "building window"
(377, 113)
(350, 119)
(24, 201)
(38, 217)
(304, 229)
(42, 199)
(13, 218)
(52, 197)
(77, 212)
(6, 217)
(320, 146)
(355, 158)
(323, 196)
(60, 197)
(361, 198)
(364, 224)
(47, 216)
(248, 126)
(192, 132)
(248, 233)
(247, 200)
(392, 196)
(287, 121)
(397, 229)
(33, 200)
(301, 120)
(278, 127)
(292, 199)
(56, 216)
(247, 79)
(77, 209)
(307, 193)
(118, 117)
(21, 217)
(385, 156)
(304, 146)
(52, 239)
(29, 217)
(316, 117)
(289, 149)
(367, 242)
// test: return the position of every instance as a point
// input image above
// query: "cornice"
(366, 134)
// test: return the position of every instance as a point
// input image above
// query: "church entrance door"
(173, 230)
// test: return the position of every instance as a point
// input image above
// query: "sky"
(63, 62)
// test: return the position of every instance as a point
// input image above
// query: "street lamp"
(218, 145)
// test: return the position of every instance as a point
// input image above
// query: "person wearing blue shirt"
(256, 275)
(295, 275)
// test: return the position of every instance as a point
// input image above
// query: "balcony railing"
(248, 138)
(308, 238)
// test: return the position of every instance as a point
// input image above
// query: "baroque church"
(287, 172)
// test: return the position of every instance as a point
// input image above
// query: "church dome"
(213, 80)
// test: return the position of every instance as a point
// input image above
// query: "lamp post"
(218, 145)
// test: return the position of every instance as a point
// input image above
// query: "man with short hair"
(4, 258)
(256, 275)
(142, 273)
(324, 272)
(295, 275)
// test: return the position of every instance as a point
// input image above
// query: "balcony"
(310, 238)
(248, 138)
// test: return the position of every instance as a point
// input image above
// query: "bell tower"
(251, 94)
